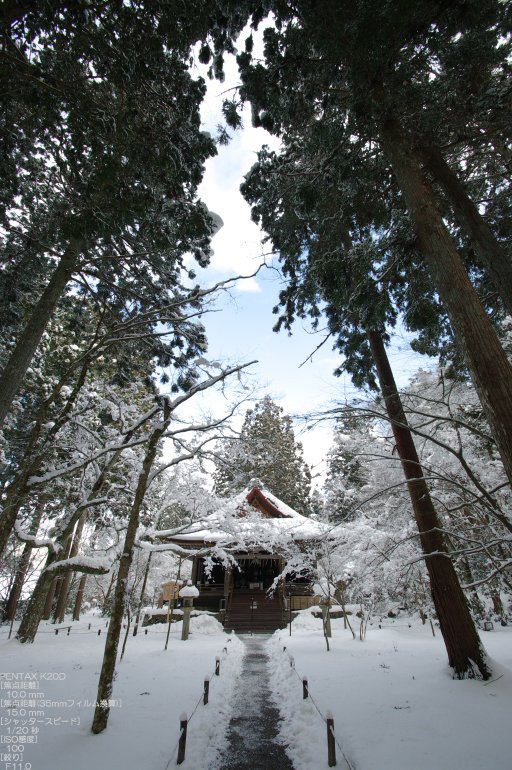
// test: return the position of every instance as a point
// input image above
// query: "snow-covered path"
(394, 703)
(253, 729)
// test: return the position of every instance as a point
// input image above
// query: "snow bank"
(305, 620)
(208, 727)
(205, 624)
(394, 701)
(152, 611)
(301, 728)
(153, 687)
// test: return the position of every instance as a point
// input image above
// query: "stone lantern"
(188, 593)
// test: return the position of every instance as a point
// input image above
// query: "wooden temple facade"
(240, 592)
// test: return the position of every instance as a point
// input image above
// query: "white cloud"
(248, 284)
(237, 246)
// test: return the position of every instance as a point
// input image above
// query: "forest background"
(384, 201)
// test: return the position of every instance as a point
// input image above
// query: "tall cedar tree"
(313, 235)
(101, 157)
(267, 451)
(356, 67)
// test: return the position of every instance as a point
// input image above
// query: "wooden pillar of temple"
(228, 577)
(195, 567)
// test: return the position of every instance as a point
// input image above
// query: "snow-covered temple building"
(239, 556)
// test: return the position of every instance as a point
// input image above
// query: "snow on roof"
(241, 522)
(282, 507)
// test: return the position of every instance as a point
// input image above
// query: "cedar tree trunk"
(14, 596)
(32, 617)
(40, 604)
(20, 358)
(490, 369)
(141, 600)
(47, 611)
(79, 598)
(35, 609)
(55, 584)
(463, 645)
(106, 680)
(483, 240)
(60, 609)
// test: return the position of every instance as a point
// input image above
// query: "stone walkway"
(253, 728)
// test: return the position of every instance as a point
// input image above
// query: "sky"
(241, 329)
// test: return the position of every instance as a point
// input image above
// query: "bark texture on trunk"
(54, 590)
(15, 593)
(106, 680)
(495, 259)
(40, 604)
(14, 596)
(47, 610)
(14, 497)
(466, 655)
(19, 360)
(35, 609)
(60, 609)
(490, 369)
(79, 598)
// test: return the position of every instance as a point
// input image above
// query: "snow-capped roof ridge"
(231, 523)
(284, 509)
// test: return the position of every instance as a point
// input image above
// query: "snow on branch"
(174, 547)
(35, 542)
(176, 460)
(115, 448)
(90, 503)
(505, 566)
(91, 565)
(153, 534)
(210, 382)
(57, 473)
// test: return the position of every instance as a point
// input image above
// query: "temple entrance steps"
(265, 618)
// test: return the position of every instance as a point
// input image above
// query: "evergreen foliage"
(102, 154)
(266, 451)
(346, 472)
(379, 78)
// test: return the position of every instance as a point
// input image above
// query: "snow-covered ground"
(394, 703)
(154, 686)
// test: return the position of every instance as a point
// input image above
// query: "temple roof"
(255, 517)
(270, 506)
